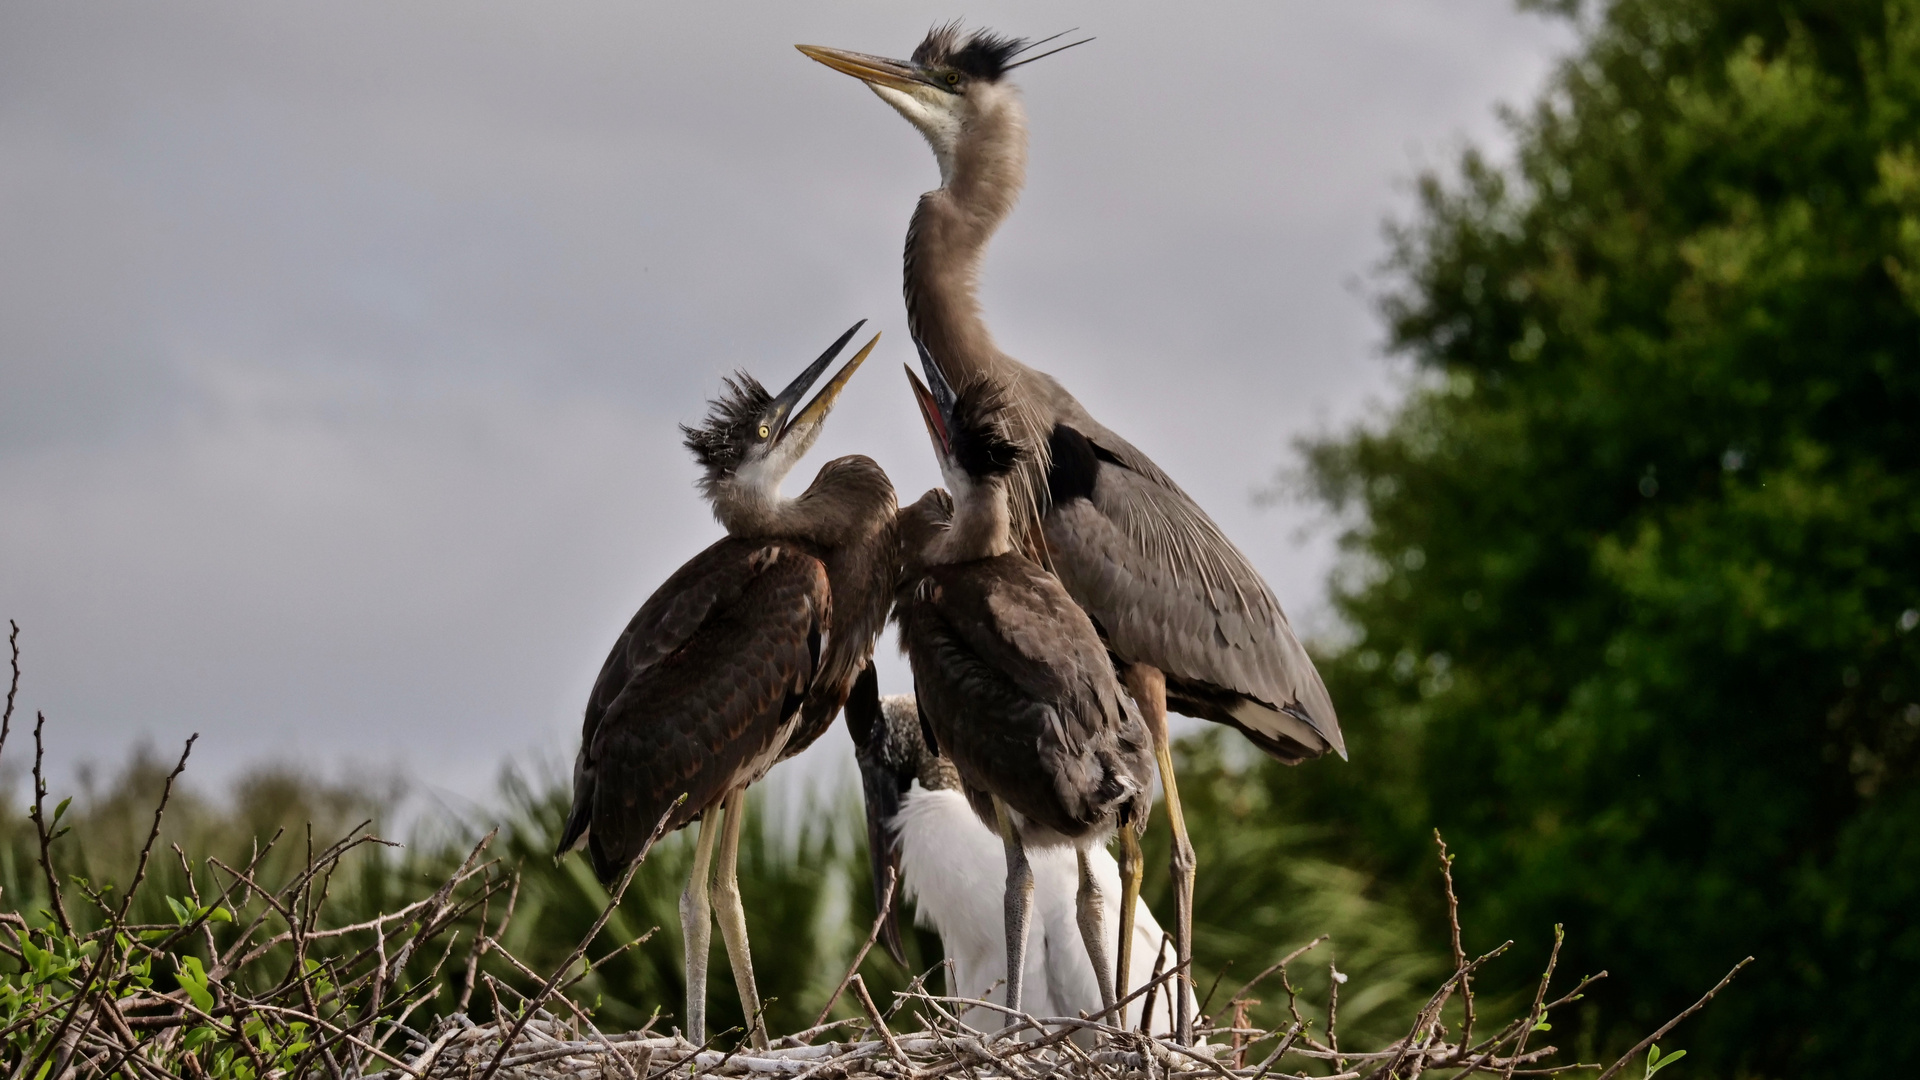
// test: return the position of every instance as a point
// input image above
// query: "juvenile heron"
(919, 822)
(741, 658)
(1011, 677)
(1191, 623)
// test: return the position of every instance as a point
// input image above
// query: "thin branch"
(879, 922)
(1535, 1017)
(880, 1022)
(159, 811)
(606, 913)
(1276, 966)
(1459, 954)
(1641, 1046)
(44, 829)
(13, 688)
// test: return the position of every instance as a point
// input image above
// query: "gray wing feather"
(1169, 589)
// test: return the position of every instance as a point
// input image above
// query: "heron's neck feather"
(946, 241)
(982, 177)
(849, 496)
(982, 526)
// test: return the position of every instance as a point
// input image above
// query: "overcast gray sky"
(342, 345)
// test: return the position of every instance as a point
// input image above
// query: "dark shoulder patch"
(1075, 464)
(926, 729)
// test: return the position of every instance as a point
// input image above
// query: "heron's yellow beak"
(817, 409)
(873, 70)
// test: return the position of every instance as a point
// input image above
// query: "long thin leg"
(696, 927)
(1092, 910)
(1149, 689)
(1131, 866)
(733, 916)
(1019, 902)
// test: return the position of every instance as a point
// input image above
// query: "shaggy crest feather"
(983, 443)
(721, 439)
(980, 55)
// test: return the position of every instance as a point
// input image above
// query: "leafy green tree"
(1633, 572)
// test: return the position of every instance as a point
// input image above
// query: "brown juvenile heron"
(1015, 686)
(1191, 623)
(741, 658)
(921, 826)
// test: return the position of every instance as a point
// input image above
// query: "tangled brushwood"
(265, 978)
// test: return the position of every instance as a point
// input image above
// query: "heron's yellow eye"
(953, 78)
(765, 431)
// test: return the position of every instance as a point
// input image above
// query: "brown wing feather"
(862, 567)
(699, 694)
(1017, 688)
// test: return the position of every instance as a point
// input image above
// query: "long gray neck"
(946, 241)
(952, 225)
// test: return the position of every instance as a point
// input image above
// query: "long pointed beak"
(822, 403)
(930, 412)
(875, 70)
(784, 402)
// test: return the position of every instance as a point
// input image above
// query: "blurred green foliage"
(1631, 575)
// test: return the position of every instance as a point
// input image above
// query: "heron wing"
(699, 693)
(1019, 692)
(1166, 587)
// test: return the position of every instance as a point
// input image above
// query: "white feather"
(954, 870)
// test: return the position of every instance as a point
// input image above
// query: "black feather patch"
(981, 444)
(980, 55)
(1074, 467)
(863, 706)
(732, 420)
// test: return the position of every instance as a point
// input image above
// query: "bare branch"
(1641, 1046)
(879, 922)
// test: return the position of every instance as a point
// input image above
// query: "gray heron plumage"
(741, 658)
(1192, 623)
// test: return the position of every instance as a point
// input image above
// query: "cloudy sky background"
(342, 345)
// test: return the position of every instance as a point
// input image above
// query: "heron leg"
(733, 916)
(1131, 866)
(696, 928)
(1091, 903)
(1148, 685)
(1019, 901)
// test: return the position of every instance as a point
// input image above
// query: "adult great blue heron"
(741, 658)
(1011, 677)
(920, 823)
(1188, 618)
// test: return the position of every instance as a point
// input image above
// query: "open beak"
(872, 70)
(822, 403)
(783, 404)
(936, 399)
(930, 412)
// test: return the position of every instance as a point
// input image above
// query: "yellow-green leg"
(696, 928)
(1091, 907)
(1149, 689)
(733, 916)
(1131, 867)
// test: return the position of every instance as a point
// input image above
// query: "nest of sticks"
(542, 1046)
(254, 981)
